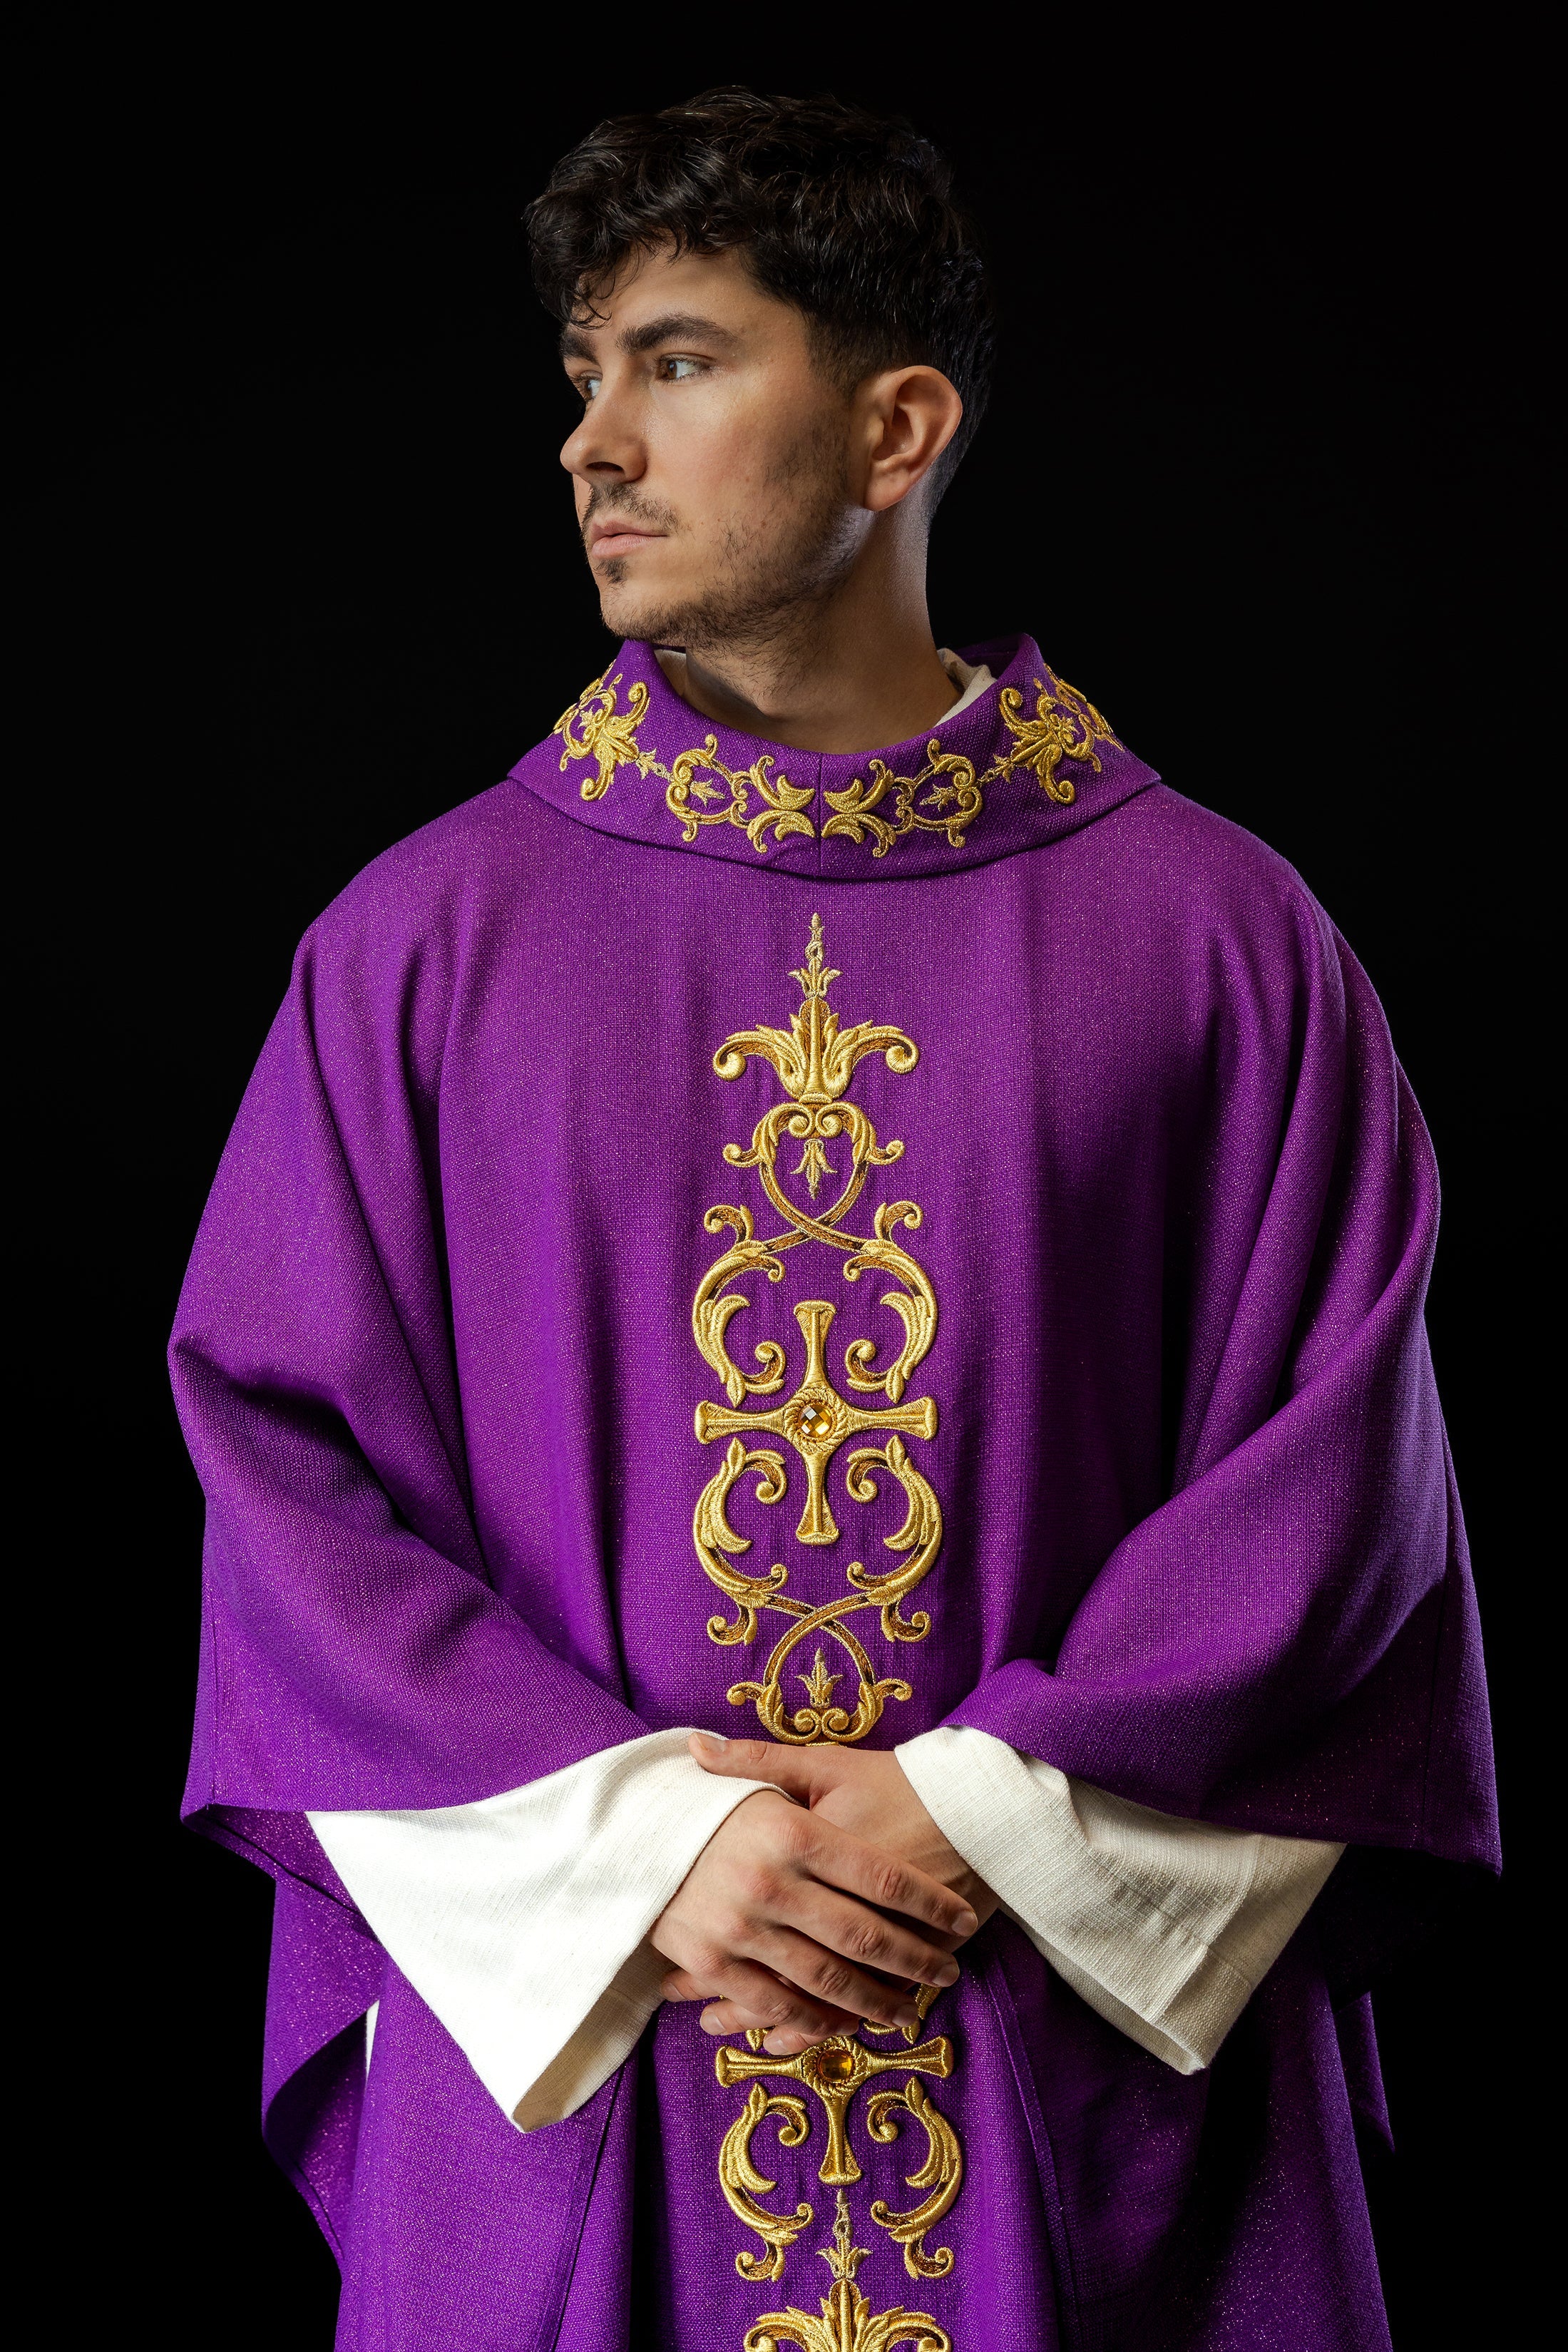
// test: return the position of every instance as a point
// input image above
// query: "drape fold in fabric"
(522, 1920)
(1165, 1927)
(1200, 1546)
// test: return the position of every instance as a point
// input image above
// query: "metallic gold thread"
(1065, 726)
(848, 2323)
(815, 1060)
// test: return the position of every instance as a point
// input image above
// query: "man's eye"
(678, 370)
(589, 386)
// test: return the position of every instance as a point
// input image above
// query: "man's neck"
(857, 670)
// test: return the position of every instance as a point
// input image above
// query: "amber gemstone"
(836, 2065)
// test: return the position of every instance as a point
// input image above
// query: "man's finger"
(729, 2017)
(800, 1772)
(867, 1939)
(771, 2003)
(841, 1859)
(830, 1981)
(680, 1985)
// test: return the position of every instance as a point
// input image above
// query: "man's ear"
(911, 414)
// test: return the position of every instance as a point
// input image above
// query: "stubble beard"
(768, 593)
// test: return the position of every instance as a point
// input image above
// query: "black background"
(299, 574)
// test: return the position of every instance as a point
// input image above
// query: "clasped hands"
(811, 1910)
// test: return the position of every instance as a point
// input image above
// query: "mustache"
(620, 498)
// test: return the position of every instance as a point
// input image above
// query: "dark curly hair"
(848, 215)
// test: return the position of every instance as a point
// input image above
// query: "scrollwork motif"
(592, 728)
(743, 2184)
(1065, 726)
(942, 2173)
(603, 736)
(957, 798)
(782, 802)
(815, 1059)
(881, 810)
(848, 2323)
(835, 2069)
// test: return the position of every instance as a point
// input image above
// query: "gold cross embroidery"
(835, 2069)
(816, 1421)
(816, 1059)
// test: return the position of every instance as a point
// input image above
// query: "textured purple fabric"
(435, 1362)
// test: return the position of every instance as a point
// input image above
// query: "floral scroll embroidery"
(815, 1059)
(609, 739)
(591, 730)
(882, 810)
(1065, 726)
(848, 2323)
(781, 801)
(835, 2070)
(955, 801)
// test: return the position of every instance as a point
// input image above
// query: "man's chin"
(633, 614)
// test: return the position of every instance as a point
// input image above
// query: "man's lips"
(617, 538)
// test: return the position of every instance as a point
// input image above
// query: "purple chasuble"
(539, 1402)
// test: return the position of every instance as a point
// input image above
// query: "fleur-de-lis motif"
(848, 2323)
(605, 736)
(816, 1059)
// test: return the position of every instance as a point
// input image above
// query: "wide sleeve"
(522, 1920)
(355, 1654)
(1289, 1642)
(1165, 1927)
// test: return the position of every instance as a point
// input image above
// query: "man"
(831, 1136)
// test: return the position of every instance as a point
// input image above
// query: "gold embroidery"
(743, 2184)
(782, 802)
(848, 2323)
(942, 2173)
(1065, 726)
(815, 1059)
(957, 802)
(611, 740)
(835, 2069)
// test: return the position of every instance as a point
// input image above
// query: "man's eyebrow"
(675, 327)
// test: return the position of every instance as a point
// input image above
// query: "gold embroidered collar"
(1029, 759)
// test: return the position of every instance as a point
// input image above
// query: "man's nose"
(604, 447)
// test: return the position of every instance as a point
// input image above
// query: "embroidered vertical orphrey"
(815, 1060)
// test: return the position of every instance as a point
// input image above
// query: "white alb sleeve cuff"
(1165, 1926)
(522, 1919)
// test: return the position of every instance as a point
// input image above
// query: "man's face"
(711, 464)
